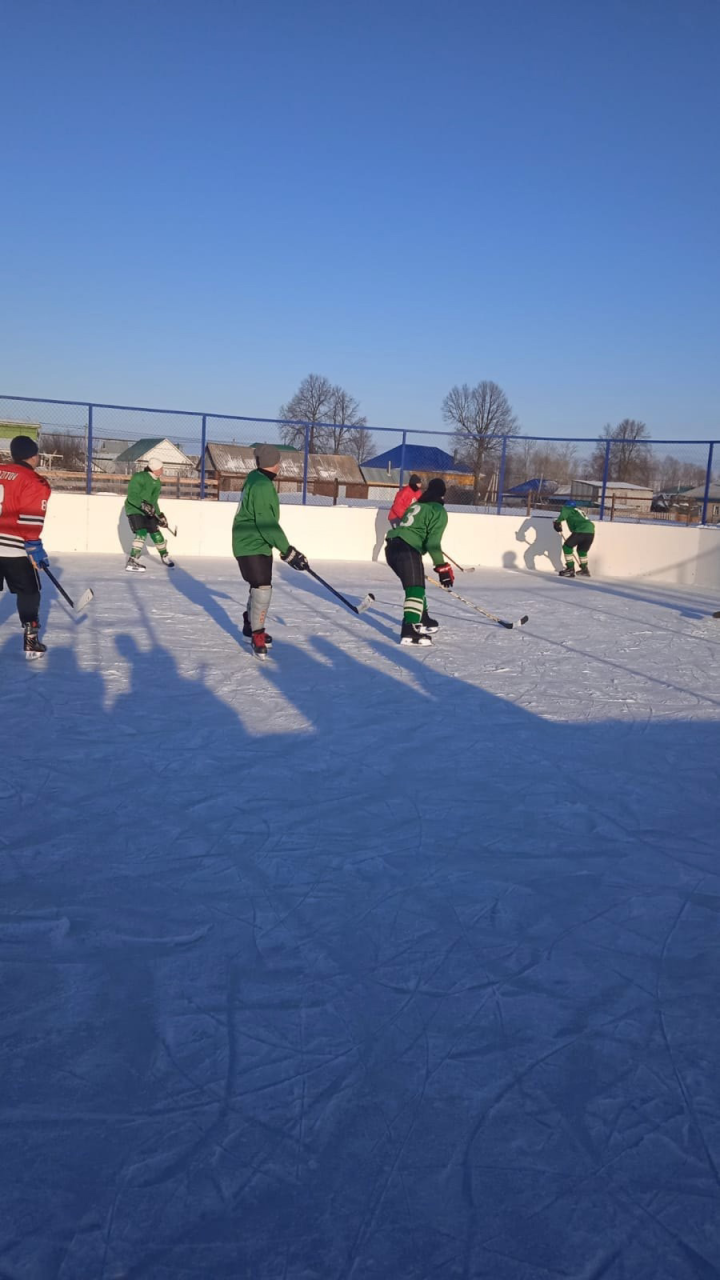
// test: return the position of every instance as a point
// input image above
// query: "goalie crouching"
(145, 517)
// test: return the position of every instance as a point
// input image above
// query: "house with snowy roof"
(330, 475)
(151, 452)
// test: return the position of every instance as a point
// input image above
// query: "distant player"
(145, 517)
(580, 538)
(256, 530)
(421, 530)
(404, 498)
(23, 503)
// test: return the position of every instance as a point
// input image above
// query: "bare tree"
(332, 414)
(481, 416)
(630, 455)
(68, 449)
(674, 473)
(533, 460)
(347, 423)
(311, 404)
(360, 444)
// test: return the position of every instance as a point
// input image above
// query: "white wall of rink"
(661, 552)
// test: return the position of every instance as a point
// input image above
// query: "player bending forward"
(145, 517)
(23, 502)
(582, 532)
(420, 530)
(256, 530)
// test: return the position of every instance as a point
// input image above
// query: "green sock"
(414, 604)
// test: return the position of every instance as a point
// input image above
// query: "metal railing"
(92, 447)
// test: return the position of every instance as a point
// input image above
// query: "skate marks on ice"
(296, 1003)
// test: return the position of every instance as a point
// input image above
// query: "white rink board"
(661, 553)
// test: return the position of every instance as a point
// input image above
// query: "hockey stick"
(162, 526)
(464, 568)
(356, 608)
(84, 600)
(493, 616)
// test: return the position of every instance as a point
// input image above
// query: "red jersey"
(23, 502)
(404, 498)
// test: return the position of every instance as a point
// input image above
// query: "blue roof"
(534, 486)
(418, 457)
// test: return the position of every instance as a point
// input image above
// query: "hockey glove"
(162, 520)
(148, 509)
(37, 553)
(557, 526)
(445, 574)
(295, 558)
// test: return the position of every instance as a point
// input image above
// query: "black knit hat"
(415, 482)
(22, 448)
(435, 491)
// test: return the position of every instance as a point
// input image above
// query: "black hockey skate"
(32, 644)
(259, 645)
(583, 571)
(134, 566)
(567, 572)
(412, 633)
(247, 631)
(169, 564)
(429, 625)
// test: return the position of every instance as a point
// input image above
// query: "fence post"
(306, 463)
(402, 459)
(612, 507)
(606, 469)
(88, 459)
(501, 476)
(708, 480)
(203, 447)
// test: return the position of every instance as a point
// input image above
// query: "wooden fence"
(172, 486)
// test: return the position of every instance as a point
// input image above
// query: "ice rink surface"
(364, 962)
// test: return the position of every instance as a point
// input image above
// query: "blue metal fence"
(85, 441)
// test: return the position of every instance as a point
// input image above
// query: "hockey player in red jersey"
(404, 498)
(23, 504)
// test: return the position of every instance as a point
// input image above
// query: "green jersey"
(576, 520)
(143, 487)
(422, 527)
(256, 528)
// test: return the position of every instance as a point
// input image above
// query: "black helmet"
(435, 491)
(415, 482)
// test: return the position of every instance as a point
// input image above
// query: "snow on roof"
(699, 492)
(239, 460)
(161, 447)
(615, 484)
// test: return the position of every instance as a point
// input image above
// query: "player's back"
(23, 503)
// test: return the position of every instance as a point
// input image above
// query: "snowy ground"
(366, 962)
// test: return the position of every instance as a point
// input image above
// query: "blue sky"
(203, 202)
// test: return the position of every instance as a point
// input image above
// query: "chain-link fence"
(94, 448)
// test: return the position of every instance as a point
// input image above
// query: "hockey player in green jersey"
(420, 530)
(582, 532)
(256, 530)
(145, 517)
